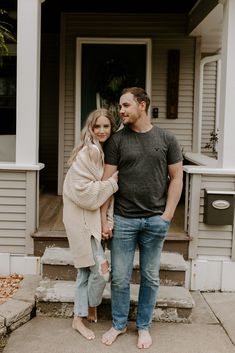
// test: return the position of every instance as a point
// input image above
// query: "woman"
(83, 194)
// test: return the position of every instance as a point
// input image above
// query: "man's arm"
(174, 190)
(109, 170)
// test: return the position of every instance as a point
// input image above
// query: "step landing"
(56, 298)
(58, 264)
(175, 242)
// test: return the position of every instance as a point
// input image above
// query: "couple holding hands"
(142, 165)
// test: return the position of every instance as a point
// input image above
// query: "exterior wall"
(17, 211)
(208, 105)
(166, 31)
(212, 247)
(207, 240)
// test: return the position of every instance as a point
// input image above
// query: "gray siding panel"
(208, 105)
(213, 239)
(17, 191)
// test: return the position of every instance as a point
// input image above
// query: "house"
(183, 53)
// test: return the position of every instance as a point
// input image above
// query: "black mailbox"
(218, 207)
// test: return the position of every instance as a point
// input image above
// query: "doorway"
(103, 67)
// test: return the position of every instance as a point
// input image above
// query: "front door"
(103, 68)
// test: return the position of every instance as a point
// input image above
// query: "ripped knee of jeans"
(104, 269)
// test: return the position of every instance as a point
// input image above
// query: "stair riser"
(180, 247)
(160, 314)
(40, 245)
(69, 273)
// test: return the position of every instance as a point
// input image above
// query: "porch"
(51, 230)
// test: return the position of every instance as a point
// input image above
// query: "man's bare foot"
(82, 329)
(92, 314)
(110, 336)
(144, 340)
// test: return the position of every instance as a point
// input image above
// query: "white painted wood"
(20, 166)
(25, 265)
(194, 204)
(28, 79)
(31, 210)
(206, 274)
(210, 30)
(227, 276)
(4, 264)
(210, 171)
(196, 113)
(226, 146)
(233, 240)
(186, 207)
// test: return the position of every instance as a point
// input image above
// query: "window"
(8, 96)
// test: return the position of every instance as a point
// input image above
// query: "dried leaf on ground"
(8, 286)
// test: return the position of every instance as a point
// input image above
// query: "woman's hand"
(106, 231)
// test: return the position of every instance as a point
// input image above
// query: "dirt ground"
(8, 286)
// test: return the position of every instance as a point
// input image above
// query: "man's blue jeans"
(149, 233)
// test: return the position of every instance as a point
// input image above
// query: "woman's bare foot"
(110, 336)
(92, 314)
(144, 340)
(82, 329)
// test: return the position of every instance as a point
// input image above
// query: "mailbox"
(218, 207)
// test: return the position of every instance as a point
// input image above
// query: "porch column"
(28, 80)
(226, 146)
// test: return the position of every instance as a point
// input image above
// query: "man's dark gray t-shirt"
(142, 160)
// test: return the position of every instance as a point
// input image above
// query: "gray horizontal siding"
(18, 192)
(214, 240)
(12, 211)
(208, 105)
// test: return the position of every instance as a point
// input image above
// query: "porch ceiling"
(166, 6)
(208, 26)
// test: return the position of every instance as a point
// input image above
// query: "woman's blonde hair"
(87, 136)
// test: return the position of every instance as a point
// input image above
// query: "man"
(149, 161)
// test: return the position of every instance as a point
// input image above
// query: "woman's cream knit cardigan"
(83, 194)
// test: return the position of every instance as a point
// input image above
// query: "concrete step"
(175, 242)
(57, 264)
(56, 298)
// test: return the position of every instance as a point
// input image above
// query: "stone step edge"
(63, 291)
(62, 256)
(50, 234)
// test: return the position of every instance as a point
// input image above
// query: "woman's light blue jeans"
(149, 233)
(90, 283)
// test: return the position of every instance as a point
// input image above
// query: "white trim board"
(20, 264)
(210, 273)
